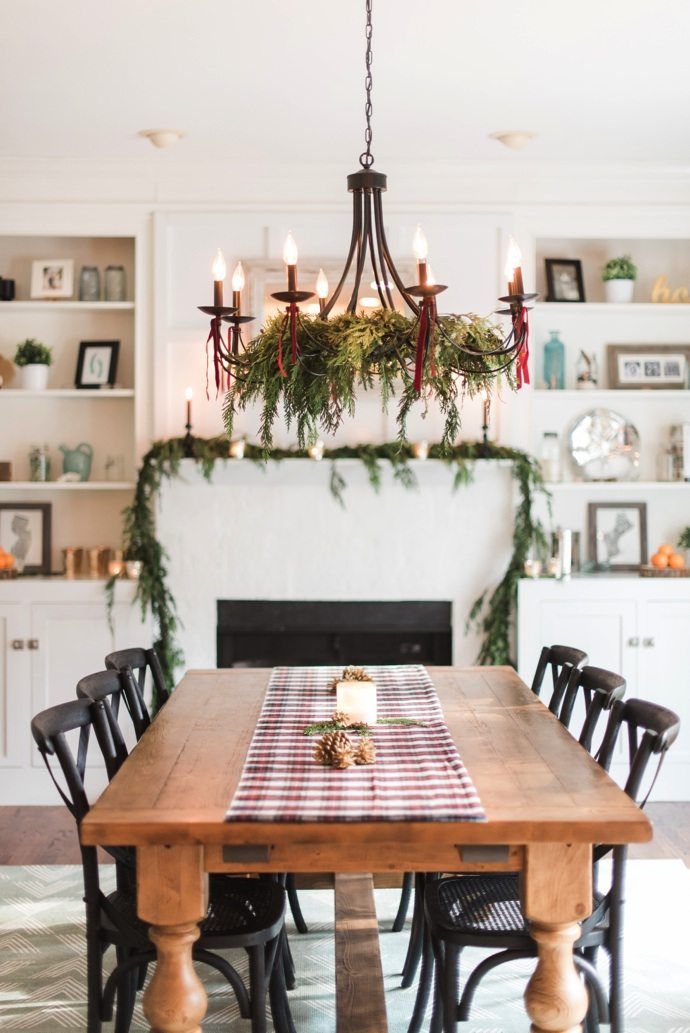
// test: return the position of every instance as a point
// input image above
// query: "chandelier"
(429, 352)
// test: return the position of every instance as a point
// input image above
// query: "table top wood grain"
(536, 783)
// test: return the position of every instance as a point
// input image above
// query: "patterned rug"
(42, 967)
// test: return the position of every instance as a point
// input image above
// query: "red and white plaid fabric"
(418, 774)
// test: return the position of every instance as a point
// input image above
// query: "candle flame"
(290, 250)
(513, 258)
(322, 284)
(420, 245)
(189, 394)
(219, 269)
(238, 278)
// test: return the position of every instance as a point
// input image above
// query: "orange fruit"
(660, 560)
(676, 561)
(666, 550)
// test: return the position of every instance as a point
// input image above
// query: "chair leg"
(277, 992)
(414, 947)
(286, 960)
(94, 984)
(126, 995)
(436, 1025)
(142, 977)
(257, 988)
(405, 895)
(450, 988)
(295, 908)
(426, 980)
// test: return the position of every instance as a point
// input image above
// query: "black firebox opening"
(265, 633)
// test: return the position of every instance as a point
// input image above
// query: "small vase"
(115, 283)
(90, 284)
(619, 292)
(34, 377)
(554, 362)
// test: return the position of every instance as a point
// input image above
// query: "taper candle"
(219, 270)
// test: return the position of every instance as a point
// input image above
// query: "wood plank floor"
(46, 835)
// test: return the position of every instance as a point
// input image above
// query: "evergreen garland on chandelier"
(492, 613)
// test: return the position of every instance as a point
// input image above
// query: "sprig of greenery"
(357, 728)
(684, 540)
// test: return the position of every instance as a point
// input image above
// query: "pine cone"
(365, 752)
(355, 674)
(341, 718)
(334, 750)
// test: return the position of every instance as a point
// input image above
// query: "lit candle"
(237, 287)
(420, 450)
(237, 448)
(188, 396)
(357, 699)
(315, 451)
(513, 270)
(290, 259)
(421, 252)
(486, 409)
(322, 289)
(219, 270)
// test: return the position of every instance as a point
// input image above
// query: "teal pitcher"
(77, 460)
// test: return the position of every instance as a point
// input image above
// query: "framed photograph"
(564, 279)
(97, 364)
(52, 278)
(648, 365)
(25, 532)
(617, 534)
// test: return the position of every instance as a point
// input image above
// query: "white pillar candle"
(358, 700)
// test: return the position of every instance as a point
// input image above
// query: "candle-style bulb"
(219, 269)
(513, 259)
(290, 250)
(420, 245)
(322, 285)
(430, 278)
(189, 394)
(238, 278)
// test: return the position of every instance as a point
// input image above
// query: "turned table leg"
(172, 892)
(557, 896)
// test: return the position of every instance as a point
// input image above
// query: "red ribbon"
(290, 317)
(427, 318)
(281, 367)
(521, 328)
(292, 312)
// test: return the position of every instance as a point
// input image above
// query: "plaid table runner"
(418, 774)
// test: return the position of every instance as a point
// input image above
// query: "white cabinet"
(636, 626)
(52, 633)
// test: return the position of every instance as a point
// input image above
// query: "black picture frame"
(593, 511)
(45, 533)
(554, 290)
(81, 377)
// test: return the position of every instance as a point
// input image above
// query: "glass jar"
(587, 371)
(115, 283)
(550, 457)
(39, 463)
(666, 463)
(89, 284)
(554, 362)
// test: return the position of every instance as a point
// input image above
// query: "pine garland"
(492, 613)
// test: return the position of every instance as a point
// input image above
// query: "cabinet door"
(15, 684)
(665, 678)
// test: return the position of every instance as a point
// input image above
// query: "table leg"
(557, 896)
(172, 892)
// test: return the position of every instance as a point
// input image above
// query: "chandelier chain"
(366, 159)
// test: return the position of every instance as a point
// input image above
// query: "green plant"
(684, 540)
(621, 268)
(494, 611)
(339, 357)
(32, 352)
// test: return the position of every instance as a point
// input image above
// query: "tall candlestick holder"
(428, 316)
(188, 448)
(292, 299)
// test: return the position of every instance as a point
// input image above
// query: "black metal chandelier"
(368, 240)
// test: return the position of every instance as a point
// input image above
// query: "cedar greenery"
(338, 357)
(492, 613)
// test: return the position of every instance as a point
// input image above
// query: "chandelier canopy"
(315, 364)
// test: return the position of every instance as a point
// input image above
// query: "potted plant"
(619, 279)
(684, 543)
(34, 360)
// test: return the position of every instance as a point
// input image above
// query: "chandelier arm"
(382, 258)
(378, 210)
(356, 225)
(485, 354)
(374, 265)
(361, 252)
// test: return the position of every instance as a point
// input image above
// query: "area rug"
(42, 967)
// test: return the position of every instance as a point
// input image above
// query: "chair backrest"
(651, 731)
(110, 688)
(139, 661)
(562, 660)
(599, 689)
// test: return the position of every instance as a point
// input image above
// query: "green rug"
(42, 968)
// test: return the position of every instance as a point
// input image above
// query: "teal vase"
(554, 362)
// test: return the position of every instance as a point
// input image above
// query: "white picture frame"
(52, 279)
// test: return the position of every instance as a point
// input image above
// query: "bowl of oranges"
(7, 565)
(665, 562)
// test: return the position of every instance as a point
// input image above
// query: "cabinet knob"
(648, 643)
(32, 643)
(633, 642)
(17, 643)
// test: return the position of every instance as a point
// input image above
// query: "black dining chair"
(242, 913)
(597, 689)
(118, 691)
(484, 910)
(146, 672)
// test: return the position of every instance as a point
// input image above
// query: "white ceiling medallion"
(161, 137)
(515, 139)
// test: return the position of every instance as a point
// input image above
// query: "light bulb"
(189, 394)
(219, 268)
(513, 259)
(290, 250)
(238, 278)
(419, 245)
(366, 302)
(322, 284)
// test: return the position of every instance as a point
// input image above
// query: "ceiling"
(598, 80)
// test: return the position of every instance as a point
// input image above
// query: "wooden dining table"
(546, 802)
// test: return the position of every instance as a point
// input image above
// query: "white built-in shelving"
(84, 393)
(61, 307)
(50, 486)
